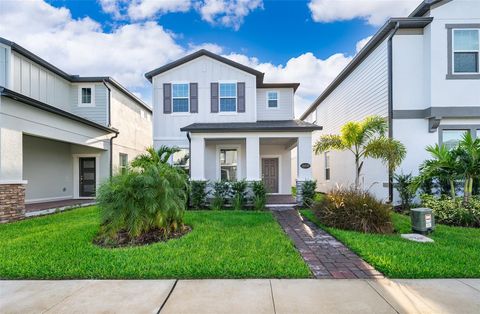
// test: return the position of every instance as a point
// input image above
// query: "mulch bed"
(153, 236)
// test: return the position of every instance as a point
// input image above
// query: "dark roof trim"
(203, 52)
(286, 125)
(71, 78)
(410, 22)
(424, 7)
(40, 105)
(280, 85)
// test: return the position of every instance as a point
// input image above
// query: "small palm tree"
(364, 139)
(443, 165)
(154, 157)
(468, 161)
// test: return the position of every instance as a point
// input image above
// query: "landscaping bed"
(454, 254)
(222, 244)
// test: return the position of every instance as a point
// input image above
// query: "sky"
(308, 42)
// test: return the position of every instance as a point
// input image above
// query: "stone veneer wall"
(12, 202)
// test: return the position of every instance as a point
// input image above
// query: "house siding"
(284, 111)
(97, 113)
(3, 66)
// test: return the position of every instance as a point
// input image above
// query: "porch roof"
(281, 125)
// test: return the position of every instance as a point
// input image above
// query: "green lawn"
(455, 253)
(226, 244)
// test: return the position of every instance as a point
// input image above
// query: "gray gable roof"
(281, 125)
(424, 7)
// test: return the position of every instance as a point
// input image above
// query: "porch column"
(304, 158)
(12, 185)
(253, 158)
(197, 158)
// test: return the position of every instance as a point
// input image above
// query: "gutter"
(390, 100)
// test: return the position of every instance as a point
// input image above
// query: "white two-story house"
(422, 74)
(61, 134)
(230, 122)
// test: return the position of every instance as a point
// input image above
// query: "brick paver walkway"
(326, 256)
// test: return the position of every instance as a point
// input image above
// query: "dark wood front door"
(87, 177)
(270, 174)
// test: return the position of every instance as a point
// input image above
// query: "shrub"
(259, 195)
(352, 209)
(308, 192)
(404, 183)
(239, 194)
(138, 201)
(453, 211)
(221, 191)
(198, 198)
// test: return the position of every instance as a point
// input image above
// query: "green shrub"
(259, 195)
(404, 184)
(239, 194)
(221, 191)
(352, 209)
(454, 212)
(198, 198)
(308, 192)
(139, 201)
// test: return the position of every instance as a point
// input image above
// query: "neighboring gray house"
(422, 74)
(232, 124)
(61, 134)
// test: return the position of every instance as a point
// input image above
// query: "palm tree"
(468, 158)
(154, 157)
(364, 139)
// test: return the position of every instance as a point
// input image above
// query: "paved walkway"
(274, 296)
(326, 256)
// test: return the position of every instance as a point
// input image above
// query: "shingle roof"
(281, 125)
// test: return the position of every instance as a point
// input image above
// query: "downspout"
(390, 101)
(189, 154)
(109, 112)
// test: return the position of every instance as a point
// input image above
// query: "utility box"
(423, 221)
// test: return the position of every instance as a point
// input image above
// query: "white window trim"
(76, 174)
(453, 51)
(239, 160)
(220, 97)
(181, 113)
(327, 154)
(280, 174)
(278, 99)
(92, 103)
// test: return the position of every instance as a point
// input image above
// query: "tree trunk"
(466, 185)
(452, 188)
(357, 174)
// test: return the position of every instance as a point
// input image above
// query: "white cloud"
(361, 43)
(229, 13)
(144, 9)
(112, 7)
(375, 12)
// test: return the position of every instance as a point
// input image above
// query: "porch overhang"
(259, 126)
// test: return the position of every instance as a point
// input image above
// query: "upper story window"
(466, 51)
(228, 97)
(86, 96)
(180, 97)
(272, 99)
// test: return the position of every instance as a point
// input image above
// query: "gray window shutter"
(241, 97)
(167, 98)
(194, 97)
(214, 97)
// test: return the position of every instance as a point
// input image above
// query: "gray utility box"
(423, 221)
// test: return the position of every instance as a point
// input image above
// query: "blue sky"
(296, 41)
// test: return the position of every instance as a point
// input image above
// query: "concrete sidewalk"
(241, 296)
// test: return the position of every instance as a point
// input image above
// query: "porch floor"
(35, 207)
(275, 199)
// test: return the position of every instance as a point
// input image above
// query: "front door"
(87, 177)
(270, 174)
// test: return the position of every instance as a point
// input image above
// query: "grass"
(454, 254)
(225, 244)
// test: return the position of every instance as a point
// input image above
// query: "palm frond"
(388, 150)
(328, 142)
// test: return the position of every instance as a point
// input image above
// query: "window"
(272, 99)
(466, 50)
(327, 166)
(180, 97)
(182, 159)
(450, 138)
(123, 162)
(228, 164)
(86, 96)
(228, 97)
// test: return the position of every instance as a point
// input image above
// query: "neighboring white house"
(61, 134)
(422, 74)
(232, 124)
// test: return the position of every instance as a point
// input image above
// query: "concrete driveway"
(241, 296)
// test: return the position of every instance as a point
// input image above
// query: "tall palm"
(443, 165)
(154, 157)
(364, 139)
